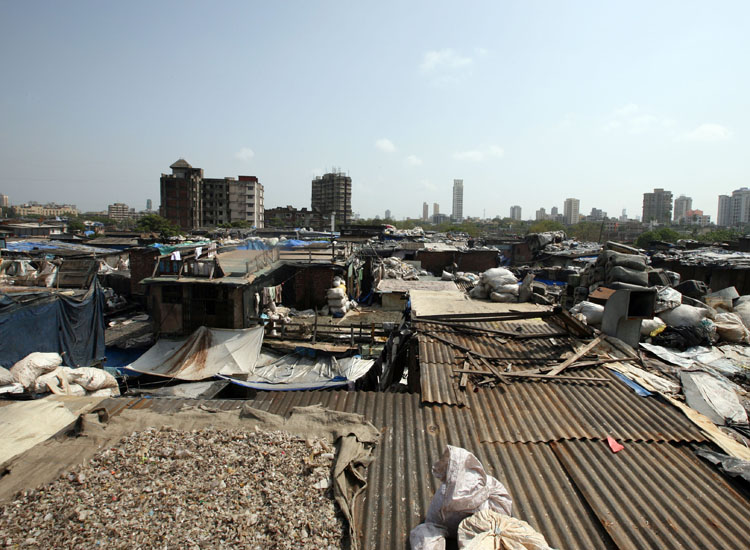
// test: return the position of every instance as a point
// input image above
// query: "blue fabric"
(118, 357)
(640, 390)
(72, 327)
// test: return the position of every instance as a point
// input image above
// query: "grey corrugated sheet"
(657, 495)
(536, 411)
(400, 482)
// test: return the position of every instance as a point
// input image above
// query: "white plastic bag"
(591, 311)
(337, 292)
(731, 328)
(479, 292)
(503, 297)
(6, 378)
(447, 276)
(28, 369)
(466, 489)
(91, 378)
(428, 536)
(684, 316)
(490, 530)
(508, 289)
(650, 325)
(497, 277)
(742, 308)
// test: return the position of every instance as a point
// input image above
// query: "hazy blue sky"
(529, 102)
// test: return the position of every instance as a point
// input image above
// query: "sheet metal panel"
(537, 411)
(657, 495)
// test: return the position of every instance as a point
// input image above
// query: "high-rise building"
(458, 201)
(724, 218)
(571, 211)
(120, 211)
(425, 211)
(541, 214)
(597, 215)
(149, 205)
(657, 206)
(740, 207)
(435, 209)
(4, 201)
(515, 212)
(681, 206)
(554, 212)
(332, 195)
(192, 201)
(387, 214)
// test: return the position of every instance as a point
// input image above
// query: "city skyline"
(604, 124)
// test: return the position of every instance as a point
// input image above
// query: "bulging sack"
(466, 488)
(591, 311)
(504, 297)
(684, 316)
(490, 530)
(497, 277)
(622, 274)
(28, 369)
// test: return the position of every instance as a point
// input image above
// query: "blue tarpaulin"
(72, 327)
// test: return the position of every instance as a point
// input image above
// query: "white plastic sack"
(684, 316)
(497, 277)
(650, 325)
(712, 397)
(55, 382)
(92, 378)
(479, 292)
(28, 369)
(731, 328)
(333, 293)
(466, 489)
(6, 378)
(428, 536)
(490, 530)
(508, 289)
(105, 392)
(742, 308)
(667, 298)
(591, 311)
(504, 297)
(338, 302)
(447, 276)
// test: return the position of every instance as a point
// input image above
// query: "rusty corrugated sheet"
(657, 495)
(536, 411)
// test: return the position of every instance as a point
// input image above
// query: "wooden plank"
(534, 376)
(577, 355)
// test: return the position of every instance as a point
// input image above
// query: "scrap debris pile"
(393, 268)
(42, 373)
(206, 488)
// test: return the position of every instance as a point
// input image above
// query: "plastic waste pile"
(498, 284)
(393, 268)
(43, 373)
(338, 302)
(473, 507)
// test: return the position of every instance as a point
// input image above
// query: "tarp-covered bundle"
(57, 323)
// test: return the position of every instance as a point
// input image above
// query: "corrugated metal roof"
(540, 410)
(656, 495)
(577, 493)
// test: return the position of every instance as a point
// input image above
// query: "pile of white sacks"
(338, 302)
(43, 373)
(498, 284)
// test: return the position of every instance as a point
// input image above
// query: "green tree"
(152, 223)
(543, 226)
(662, 234)
(75, 225)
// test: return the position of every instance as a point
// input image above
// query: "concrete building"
(440, 218)
(435, 209)
(332, 195)
(192, 201)
(571, 213)
(49, 210)
(682, 205)
(149, 205)
(740, 207)
(696, 217)
(657, 206)
(458, 201)
(425, 212)
(387, 214)
(724, 213)
(4, 201)
(554, 212)
(515, 212)
(597, 215)
(288, 216)
(120, 211)
(541, 214)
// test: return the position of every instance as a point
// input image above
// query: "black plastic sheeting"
(70, 326)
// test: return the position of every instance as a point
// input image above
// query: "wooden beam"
(534, 376)
(577, 355)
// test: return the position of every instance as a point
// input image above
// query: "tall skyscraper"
(425, 211)
(657, 206)
(541, 214)
(387, 214)
(740, 207)
(4, 201)
(681, 206)
(435, 209)
(149, 204)
(724, 218)
(554, 212)
(458, 201)
(515, 212)
(332, 194)
(571, 211)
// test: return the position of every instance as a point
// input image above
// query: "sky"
(529, 102)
